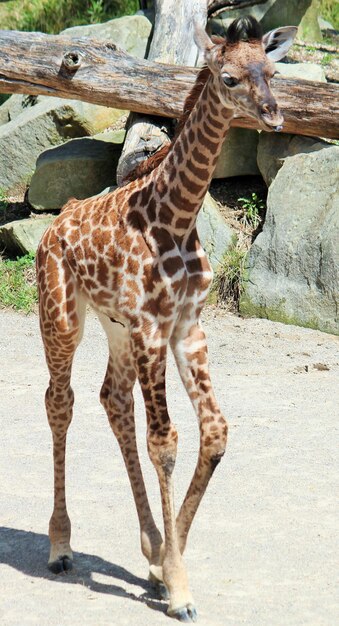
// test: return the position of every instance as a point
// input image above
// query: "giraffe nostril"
(269, 107)
(265, 108)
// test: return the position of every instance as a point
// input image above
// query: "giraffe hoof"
(62, 565)
(184, 614)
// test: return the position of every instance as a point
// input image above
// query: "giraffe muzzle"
(272, 122)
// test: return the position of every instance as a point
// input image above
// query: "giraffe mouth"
(271, 123)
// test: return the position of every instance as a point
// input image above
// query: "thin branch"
(317, 46)
(217, 6)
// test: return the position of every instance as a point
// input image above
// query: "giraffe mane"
(244, 29)
(152, 162)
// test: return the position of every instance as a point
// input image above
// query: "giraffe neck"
(183, 178)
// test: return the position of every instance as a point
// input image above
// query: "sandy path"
(262, 548)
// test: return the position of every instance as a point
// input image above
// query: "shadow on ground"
(28, 552)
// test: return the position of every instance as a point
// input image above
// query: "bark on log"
(172, 43)
(91, 71)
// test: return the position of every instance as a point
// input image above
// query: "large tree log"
(88, 70)
(172, 43)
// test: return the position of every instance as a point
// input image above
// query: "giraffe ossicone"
(134, 256)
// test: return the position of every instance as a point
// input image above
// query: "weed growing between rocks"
(242, 202)
(18, 283)
(253, 208)
(228, 280)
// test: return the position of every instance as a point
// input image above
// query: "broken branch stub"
(71, 60)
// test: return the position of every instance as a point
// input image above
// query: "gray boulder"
(215, 235)
(79, 169)
(14, 106)
(131, 33)
(49, 123)
(239, 154)
(305, 71)
(93, 117)
(273, 149)
(293, 274)
(23, 236)
(89, 118)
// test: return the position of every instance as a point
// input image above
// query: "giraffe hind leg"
(117, 399)
(61, 324)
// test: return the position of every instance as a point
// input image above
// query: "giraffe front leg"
(59, 405)
(190, 351)
(162, 448)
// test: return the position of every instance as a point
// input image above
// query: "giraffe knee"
(213, 440)
(119, 407)
(162, 446)
(59, 402)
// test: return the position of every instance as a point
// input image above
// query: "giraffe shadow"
(27, 552)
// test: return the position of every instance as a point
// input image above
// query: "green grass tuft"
(228, 281)
(17, 284)
(329, 10)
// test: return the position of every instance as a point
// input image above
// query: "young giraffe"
(135, 257)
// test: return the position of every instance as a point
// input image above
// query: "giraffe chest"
(126, 271)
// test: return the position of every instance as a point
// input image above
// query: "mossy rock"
(293, 265)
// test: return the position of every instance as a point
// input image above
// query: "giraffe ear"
(278, 42)
(201, 38)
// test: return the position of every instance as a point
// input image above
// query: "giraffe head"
(242, 65)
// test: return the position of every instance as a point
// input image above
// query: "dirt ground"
(262, 548)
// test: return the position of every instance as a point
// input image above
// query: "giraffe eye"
(229, 81)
